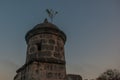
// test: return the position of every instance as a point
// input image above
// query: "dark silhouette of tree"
(110, 74)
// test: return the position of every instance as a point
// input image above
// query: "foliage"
(110, 75)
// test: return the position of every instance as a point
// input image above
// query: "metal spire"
(51, 13)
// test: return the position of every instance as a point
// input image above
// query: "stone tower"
(45, 59)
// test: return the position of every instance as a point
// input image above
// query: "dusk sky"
(92, 28)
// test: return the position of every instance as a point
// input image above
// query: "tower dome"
(46, 24)
(45, 27)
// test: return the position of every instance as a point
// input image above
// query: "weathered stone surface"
(45, 58)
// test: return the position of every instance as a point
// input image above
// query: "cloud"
(7, 70)
(86, 70)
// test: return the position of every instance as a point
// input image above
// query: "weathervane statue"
(51, 13)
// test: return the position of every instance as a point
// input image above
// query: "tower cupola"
(45, 59)
(45, 27)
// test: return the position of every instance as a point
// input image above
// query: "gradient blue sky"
(92, 28)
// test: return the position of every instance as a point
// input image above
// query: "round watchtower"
(45, 59)
(45, 43)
